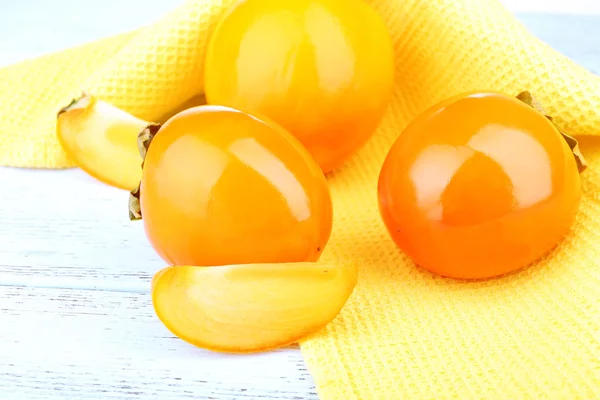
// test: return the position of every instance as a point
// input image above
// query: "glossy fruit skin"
(479, 186)
(220, 186)
(323, 69)
(250, 308)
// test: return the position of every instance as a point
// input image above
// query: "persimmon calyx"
(250, 307)
(530, 100)
(135, 209)
(78, 103)
(144, 139)
(101, 139)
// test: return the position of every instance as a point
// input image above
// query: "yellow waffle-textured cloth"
(405, 334)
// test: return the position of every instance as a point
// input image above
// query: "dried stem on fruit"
(144, 140)
(81, 102)
(528, 99)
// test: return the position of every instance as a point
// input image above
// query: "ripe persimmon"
(478, 186)
(101, 139)
(220, 186)
(250, 307)
(323, 69)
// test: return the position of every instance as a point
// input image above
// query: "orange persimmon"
(220, 186)
(250, 307)
(478, 186)
(323, 69)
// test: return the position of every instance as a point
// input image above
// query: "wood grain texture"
(87, 344)
(65, 229)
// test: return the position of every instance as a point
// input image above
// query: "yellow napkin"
(405, 333)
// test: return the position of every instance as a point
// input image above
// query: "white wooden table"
(76, 321)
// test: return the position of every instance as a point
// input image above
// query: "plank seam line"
(44, 283)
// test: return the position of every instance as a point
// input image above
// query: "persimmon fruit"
(323, 69)
(250, 307)
(102, 140)
(220, 186)
(478, 186)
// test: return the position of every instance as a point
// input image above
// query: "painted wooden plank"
(86, 344)
(68, 226)
(29, 28)
(553, 6)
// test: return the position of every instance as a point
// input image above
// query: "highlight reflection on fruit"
(478, 186)
(323, 69)
(220, 186)
(252, 307)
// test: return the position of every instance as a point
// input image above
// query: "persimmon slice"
(102, 140)
(250, 307)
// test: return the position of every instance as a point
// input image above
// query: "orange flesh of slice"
(251, 307)
(102, 140)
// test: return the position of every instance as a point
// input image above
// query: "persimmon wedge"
(247, 308)
(102, 140)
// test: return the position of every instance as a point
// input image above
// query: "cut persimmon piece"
(250, 307)
(102, 140)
